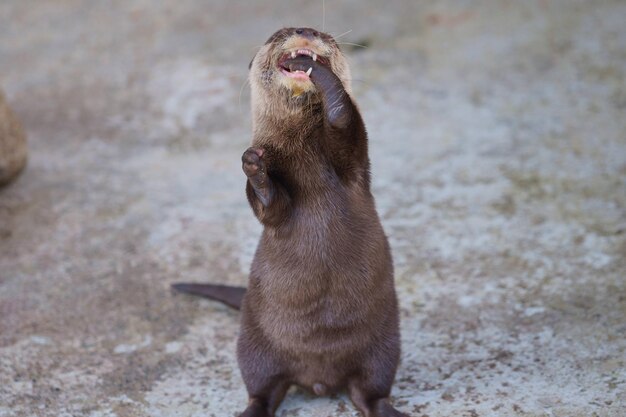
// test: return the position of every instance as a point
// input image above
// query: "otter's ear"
(250, 64)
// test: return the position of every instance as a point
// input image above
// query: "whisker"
(323, 15)
(343, 34)
(353, 44)
(241, 91)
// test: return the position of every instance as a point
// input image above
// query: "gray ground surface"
(499, 162)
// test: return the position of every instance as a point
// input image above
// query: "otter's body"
(321, 283)
(320, 310)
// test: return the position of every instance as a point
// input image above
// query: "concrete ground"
(498, 143)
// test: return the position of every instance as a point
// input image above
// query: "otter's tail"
(231, 296)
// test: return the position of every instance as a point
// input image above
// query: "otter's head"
(275, 88)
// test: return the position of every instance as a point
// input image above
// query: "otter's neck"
(286, 126)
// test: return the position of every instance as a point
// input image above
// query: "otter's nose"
(307, 33)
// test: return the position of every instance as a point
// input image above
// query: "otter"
(320, 310)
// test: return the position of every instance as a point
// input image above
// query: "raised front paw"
(252, 162)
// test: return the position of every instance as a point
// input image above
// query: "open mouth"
(298, 74)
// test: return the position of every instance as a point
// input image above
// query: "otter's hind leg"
(370, 388)
(372, 400)
(264, 401)
(262, 369)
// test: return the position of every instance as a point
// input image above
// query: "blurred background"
(498, 147)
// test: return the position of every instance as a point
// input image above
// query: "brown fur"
(13, 151)
(320, 310)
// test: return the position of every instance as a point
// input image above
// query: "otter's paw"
(256, 410)
(252, 162)
(384, 409)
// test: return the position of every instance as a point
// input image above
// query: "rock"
(13, 151)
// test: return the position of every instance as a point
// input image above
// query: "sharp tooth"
(314, 56)
(309, 71)
(293, 54)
